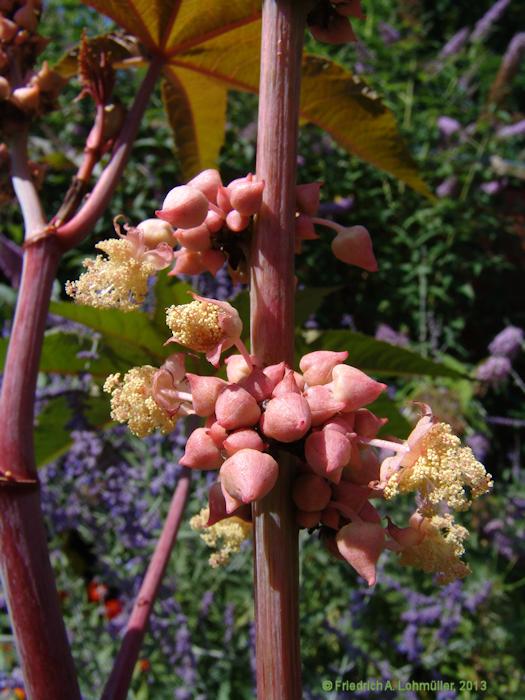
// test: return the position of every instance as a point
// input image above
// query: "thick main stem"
(276, 567)
(27, 576)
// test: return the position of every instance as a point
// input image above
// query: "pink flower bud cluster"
(202, 209)
(320, 409)
(33, 92)
(208, 217)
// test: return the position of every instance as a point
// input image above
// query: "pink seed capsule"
(354, 387)
(236, 221)
(156, 231)
(327, 452)
(317, 366)
(247, 476)
(353, 246)
(184, 207)
(307, 197)
(287, 418)
(208, 182)
(246, 197)
(310, 492)
(236, 408)
(307, 519)
(196, 239)
(205, 391)
(361, 543)
(242, 439)
(201, 451)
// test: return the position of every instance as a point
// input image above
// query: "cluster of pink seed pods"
(201, 209)
(207, 217)
(320, 411)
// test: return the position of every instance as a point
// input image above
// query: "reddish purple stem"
(120, 679)
(27, 577)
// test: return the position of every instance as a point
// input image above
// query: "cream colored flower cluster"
(119, 281)
(442, 473)
(440, 549)
(225, 536)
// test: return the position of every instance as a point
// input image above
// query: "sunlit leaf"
(343, 106)
(196, 111)
(213, 47)
(127, 332)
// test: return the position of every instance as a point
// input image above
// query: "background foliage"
(448, 280)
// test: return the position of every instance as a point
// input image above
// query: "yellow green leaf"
(196, 110)
(346, 108)
(212, 47)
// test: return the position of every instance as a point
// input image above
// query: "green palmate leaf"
(60, 355)
(375, 356)
(168, 291)
(129, 334)
(196, 112)
(210, 48)
(52, 437)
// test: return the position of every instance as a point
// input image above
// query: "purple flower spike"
(494, 370)
(455, 43)
(489, 19)
(479, 444)
(508, 342)
(387, 334)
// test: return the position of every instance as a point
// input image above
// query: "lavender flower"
(508, 69)
(448, 126)
(511, 130)
(388, 33)
(455, 43)
(486, 23)
(340, 205)
(448, 188)
(387, 334)
(494, 370)
(508, 342)
(493, 187)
